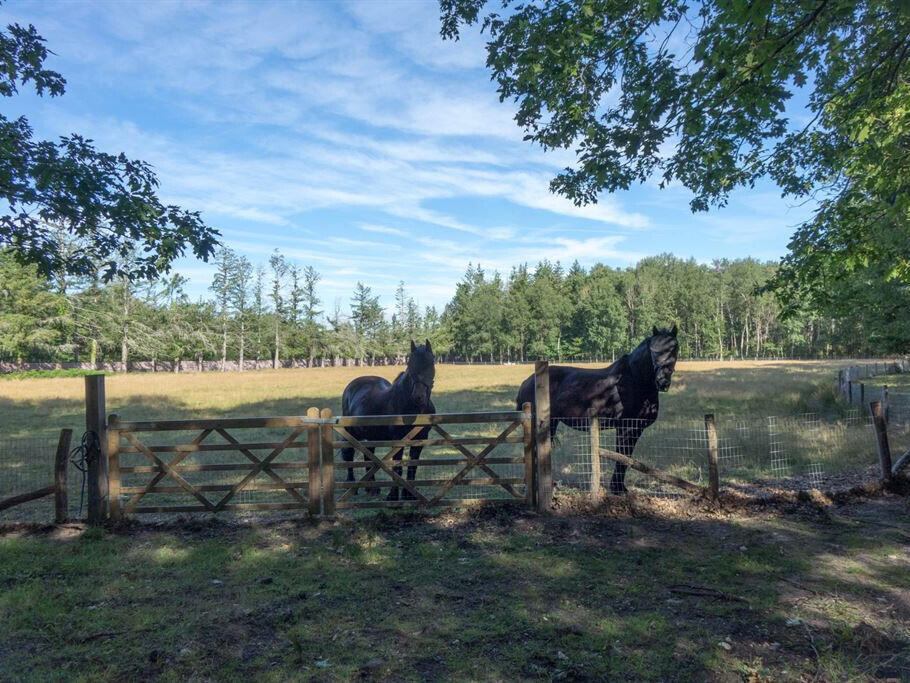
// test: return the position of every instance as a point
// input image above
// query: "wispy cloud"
(310, 126)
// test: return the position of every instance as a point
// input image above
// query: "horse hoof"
(407, 495)
(393, 495)
(620, 490)
(373, 492)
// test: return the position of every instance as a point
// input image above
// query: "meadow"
(42, 406)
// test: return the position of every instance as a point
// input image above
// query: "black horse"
(409, 394)
(623, 396)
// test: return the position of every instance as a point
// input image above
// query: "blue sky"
(352, 138)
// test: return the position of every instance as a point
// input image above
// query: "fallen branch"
(108, 634)
(702, 592)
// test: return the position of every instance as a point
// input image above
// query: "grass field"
(751, 595)
(35, 407)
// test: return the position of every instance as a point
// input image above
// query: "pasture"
(42, 406)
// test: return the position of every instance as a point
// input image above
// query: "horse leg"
(372, 490)
(347, 454)
(413, 454)
(393, 494)
(626, 438)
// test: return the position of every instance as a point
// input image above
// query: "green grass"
(484, 597)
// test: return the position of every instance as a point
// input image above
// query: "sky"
(352, 138)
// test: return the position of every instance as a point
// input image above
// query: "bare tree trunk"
(125, 330)
(223, 344)
(242, 335)
(276, 358)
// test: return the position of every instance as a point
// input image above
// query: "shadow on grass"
(492, 596)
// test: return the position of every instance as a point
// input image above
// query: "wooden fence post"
(314, 462)
(594, 429)
(542, 435)
(850, 392)
(527, 426)
(95, 416)
(61, 505)
(862, 393)
(881, 441)
(113, 470)
(885, 407)
(327, 471)
(711, 433)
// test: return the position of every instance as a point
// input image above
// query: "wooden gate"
(182, 467)
(192, 474)
(513, 427)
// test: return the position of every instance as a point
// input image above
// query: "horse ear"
(674, 330)
(429, 346)
(654, 331)
(413, 346)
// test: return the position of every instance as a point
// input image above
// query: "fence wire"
(798, 452)
(794, 452)
(27, 464)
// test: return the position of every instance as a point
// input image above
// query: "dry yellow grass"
(43, 406)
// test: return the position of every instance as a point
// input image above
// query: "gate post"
(113, 455)
(711, 433)
(542, 435)
(95, 416)
(327, 471)
(527, 428)
(594, 433)
(313, 451)
(881, 441)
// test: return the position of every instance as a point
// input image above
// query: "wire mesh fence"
(27, 464)
(791, 452)
(794, 452)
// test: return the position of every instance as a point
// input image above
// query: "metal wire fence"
(27, 464)
(789, 452)
(798, 452)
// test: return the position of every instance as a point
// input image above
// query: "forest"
(273, 311)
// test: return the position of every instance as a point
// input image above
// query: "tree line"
(273, 311)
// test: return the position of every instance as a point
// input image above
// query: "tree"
(223, 286)
(279, 268)
(622, 81)
(108, 200)
(240, 293)
(366, 314)
(311, 311)
(29, 312)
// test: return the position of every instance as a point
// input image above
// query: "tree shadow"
(486, 594)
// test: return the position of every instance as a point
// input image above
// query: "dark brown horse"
(409, 394)
(623, 396)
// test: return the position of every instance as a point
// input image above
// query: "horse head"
(421, 372)
(664, 349)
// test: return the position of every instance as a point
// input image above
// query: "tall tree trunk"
(125, 330)
(223, 343)
(276, 357)
(242, 339)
